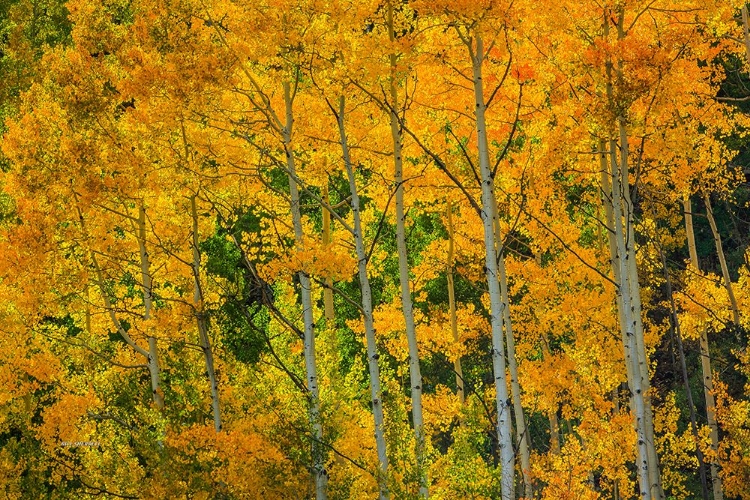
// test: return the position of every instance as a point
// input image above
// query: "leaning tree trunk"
(505, 439)
(150, 354)
(318, 452)
(452, 304)
(677, 332)
(522, 438)
(328, 289)
(147, 287)
(202, 321)
(554, 424)
(372, 352)
(708, 379)
(628, 288)
(722, 260)
(415, 374)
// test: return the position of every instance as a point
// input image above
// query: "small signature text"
(76, 444)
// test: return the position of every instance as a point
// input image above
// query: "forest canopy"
(394, 249)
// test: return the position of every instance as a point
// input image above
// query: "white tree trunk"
(628, 327)
(318, 453)
(146, 284)
(708, 379)
(452, 304)
(415, 375)
(505, 439)
(635, 293)
(372, 352)
(722, 260)
(200, 317)
(522, 438)
(328, 289)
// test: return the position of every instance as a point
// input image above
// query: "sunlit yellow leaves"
(705, 304)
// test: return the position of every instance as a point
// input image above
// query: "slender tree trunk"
(372, 353)
(607, 200)
(452, 304)
(522, 438)
(554, 424)
(635, 293)
(616, 411)
(505, 439)
(685, 378)
(722, 259)
(629, 288)
(403, 273)
(628, 327)
(146, 284)
(99, 277)
(318, 452)
(328, 290)
(746, 32)
(202, 322)
(708, 379)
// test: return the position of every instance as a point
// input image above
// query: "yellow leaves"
(705, 303)
(602, 445)
(10, 473)
(677, 451)
(316, 259)
(441, 410)
(62, 421)
(733, 416)
(243, 460)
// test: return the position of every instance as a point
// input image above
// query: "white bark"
(505, 440)
(746, 33)
(635, 293)
(722, 260)
(628, 326)
(318, 454)
(372, 352)
(415, 375)
(521, 434)
(708, 379)
(452, 305)
(628, 290)
(328, 290)
(200, 317)
(146, 284)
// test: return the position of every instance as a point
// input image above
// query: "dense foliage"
(361, 248)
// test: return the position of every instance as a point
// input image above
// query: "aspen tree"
(285, 129)
(150, 353)
(364, 282)
(147, 284)
(522, 438)
(628, 286)
(708, 379)
(415, 375)
(677, 332)
(318, 453)
(202, 321)
(452, 303)
(628, 327)
(722, 259)
(475, 46)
